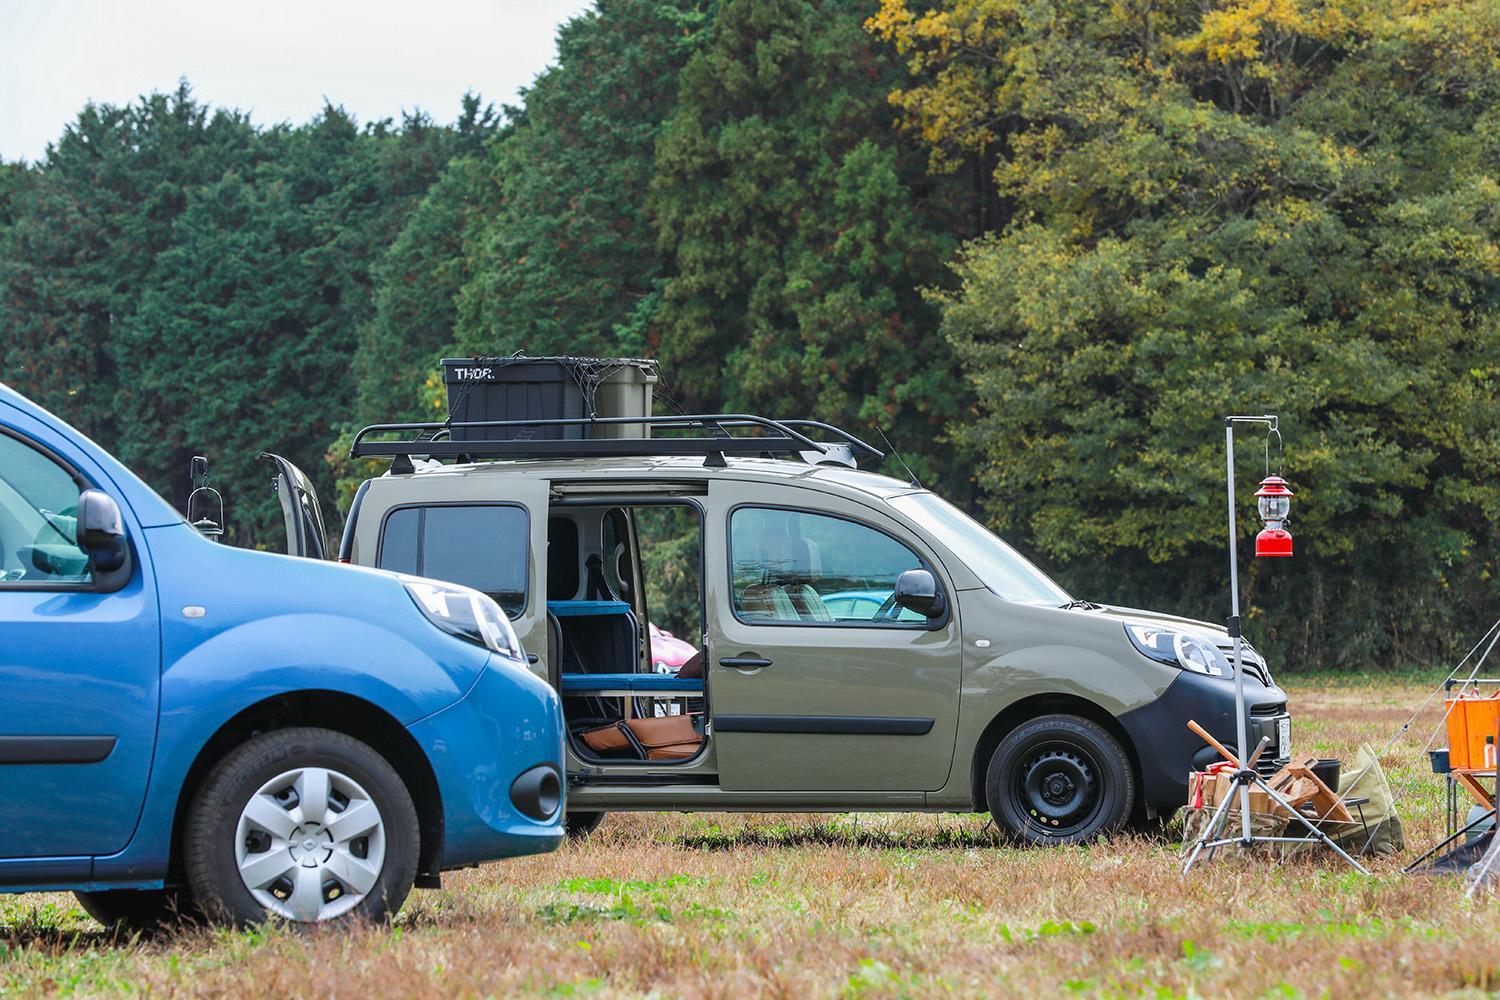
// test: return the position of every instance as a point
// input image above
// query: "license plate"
(1284, 736)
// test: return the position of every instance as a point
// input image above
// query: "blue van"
(187, 727)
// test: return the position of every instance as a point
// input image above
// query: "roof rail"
(781, 437)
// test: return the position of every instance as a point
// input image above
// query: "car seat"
(786, 591)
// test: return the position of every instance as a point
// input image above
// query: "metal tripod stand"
(1245, 777)
(1245, 774)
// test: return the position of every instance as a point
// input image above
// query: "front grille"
(1250, 659)
(1258, 711)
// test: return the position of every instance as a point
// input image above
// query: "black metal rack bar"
(782, 437)
(859, 445)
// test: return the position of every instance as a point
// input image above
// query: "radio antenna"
(892, 448)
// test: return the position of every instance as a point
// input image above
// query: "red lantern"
(1274, 501)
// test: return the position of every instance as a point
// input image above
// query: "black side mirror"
(917, 590)
(101, 532)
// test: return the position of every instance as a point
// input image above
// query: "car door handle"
(744, 662)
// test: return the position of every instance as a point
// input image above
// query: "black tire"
(1059, 779)
(212, 829)
(144, 910)
(581, 824)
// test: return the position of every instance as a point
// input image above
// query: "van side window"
(796, 567)
(484, 546)
(38, 519)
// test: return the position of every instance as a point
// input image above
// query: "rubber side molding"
(55, 749)
(829, 725)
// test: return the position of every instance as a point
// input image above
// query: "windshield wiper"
(1081, 606)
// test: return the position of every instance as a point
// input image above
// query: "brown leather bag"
(607, 739)
(670, 737)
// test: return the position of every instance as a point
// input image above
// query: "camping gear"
(1327, 771)
(1265, 809)
(1478, 822)
(1473, 723)
(1273, 505)
(1308, 793)
(560, 388)
(1374, 829)
(205, 506)
(667, 737)
(1485, 872)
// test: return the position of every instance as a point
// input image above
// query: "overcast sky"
(277, 59)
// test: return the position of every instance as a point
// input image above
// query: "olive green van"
(862, 644)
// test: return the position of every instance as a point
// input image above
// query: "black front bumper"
(1168, 751)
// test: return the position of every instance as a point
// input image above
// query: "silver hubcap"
(310, 844)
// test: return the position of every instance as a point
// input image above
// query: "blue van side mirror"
(917, 590)
(101, 533)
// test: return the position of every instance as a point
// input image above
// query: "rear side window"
(485, 546)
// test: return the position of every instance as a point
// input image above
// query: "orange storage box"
(1473, 731)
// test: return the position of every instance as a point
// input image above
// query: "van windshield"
(1003, 570)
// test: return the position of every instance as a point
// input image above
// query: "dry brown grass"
(735, 906)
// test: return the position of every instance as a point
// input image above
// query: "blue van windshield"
(1002, 569)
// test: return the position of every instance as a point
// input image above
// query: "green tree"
(1248, 207)
(86, 227)
(417, 284)
(797, 228)
(418, 277)
(230, 300)
(174, 280)
(564, 262)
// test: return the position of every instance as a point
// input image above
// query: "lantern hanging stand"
(1273, 502)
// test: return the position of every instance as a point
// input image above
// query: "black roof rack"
(780, 437)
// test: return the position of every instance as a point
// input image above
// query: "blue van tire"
(144, 910)
(1059, 779)
(580, 824)
(248, 821)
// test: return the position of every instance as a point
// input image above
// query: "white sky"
(277, 59)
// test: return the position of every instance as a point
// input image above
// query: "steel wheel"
(310, 844)
(1059, 779)
(1057, 788)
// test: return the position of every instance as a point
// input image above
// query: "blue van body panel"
(201, 633)
(272, 622)
(509, 708)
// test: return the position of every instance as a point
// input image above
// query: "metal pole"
(1246, 775)
(1234, 630)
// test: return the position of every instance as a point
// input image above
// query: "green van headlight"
(465, 613)
(1179, 649)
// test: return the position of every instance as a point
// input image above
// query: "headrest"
(783, 557)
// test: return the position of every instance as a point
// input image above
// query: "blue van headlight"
(1179, 649)
(466, 613)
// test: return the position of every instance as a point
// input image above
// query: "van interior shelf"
(523, 439)
(581, 609)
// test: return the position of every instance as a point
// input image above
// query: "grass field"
(853, 906)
